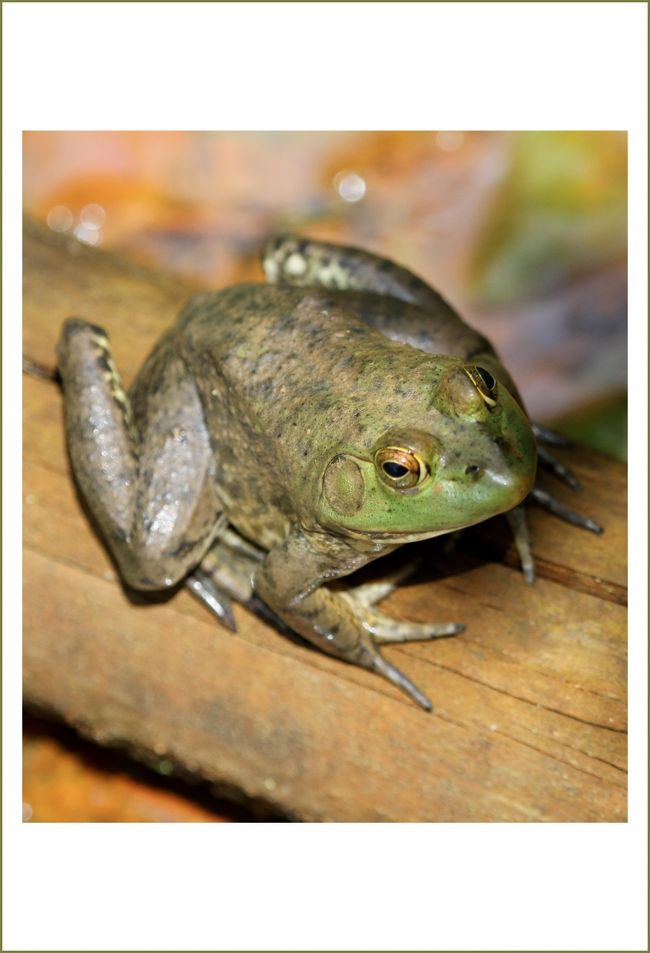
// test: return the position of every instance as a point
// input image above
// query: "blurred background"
(525, 233)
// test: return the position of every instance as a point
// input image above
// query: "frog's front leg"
(143, 461)
(291, 580)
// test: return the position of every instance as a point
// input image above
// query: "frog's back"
(291, 369)
(302, 316)
(246, 313)
(258, 336)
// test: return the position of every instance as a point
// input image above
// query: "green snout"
(473, 472)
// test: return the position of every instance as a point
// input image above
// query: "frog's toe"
(546, 435)
(517, 520)
(548, 461)
(550, 503)
(371, 593)
(383, 667)
(385, 629)
(218, 602)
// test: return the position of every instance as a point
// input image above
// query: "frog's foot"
(387, 670)
(385, 629)
(292, 583)
(225, 574)
(375, 628)
(371, 593)
(558, 469)
(551, 437)
(544, 435)
(218, 602)
(519, 526)
(550, 503)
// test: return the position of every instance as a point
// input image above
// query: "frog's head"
(462, 451)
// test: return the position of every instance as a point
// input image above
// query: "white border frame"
(336, 66)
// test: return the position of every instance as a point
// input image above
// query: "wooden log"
(530, 706)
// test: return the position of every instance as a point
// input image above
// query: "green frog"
(281, 436)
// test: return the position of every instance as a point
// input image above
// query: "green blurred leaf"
(561, 212)
(602, 426)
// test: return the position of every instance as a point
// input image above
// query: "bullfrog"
(282, 435)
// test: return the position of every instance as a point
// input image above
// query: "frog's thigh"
(176, 508)
(99, 427)
(304, 263)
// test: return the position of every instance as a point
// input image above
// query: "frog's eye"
(399, 468)
(484, 382)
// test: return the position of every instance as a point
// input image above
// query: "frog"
(282, 435)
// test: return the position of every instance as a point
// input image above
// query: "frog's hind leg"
(142, 461)
(304, 263)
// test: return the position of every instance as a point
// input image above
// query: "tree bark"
(529, 712)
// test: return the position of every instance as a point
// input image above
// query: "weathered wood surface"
(530, 704)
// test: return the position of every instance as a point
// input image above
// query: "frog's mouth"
(399, 538)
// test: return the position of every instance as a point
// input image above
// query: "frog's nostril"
(472, 470)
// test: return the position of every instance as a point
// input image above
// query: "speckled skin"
(269, 408)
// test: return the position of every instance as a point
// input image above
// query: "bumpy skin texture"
(287, 417)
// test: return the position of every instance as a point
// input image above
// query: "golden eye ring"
(485, 384)
(399, 468)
